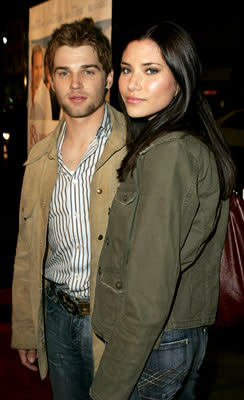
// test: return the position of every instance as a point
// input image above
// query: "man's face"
(37, 69)
(79, 80)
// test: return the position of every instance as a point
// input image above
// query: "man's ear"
(109, 79)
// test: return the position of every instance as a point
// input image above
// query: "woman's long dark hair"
(188, 110)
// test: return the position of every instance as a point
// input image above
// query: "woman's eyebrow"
(143, 64)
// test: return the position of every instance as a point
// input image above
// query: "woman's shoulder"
(176, 149)
(180, 140)
(178, 157)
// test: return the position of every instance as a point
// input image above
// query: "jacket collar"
(46, 146)
(116, 140)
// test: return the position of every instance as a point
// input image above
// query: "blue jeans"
(171, 371)
(69, 351)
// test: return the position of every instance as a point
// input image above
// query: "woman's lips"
(134, 100)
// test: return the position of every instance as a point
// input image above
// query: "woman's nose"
(135, 82)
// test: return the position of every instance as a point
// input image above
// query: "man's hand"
(28, 359)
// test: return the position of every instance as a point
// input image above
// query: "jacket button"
(99, 191)
(100, 237)
(118, 285)
(124, 197)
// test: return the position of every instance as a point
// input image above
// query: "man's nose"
(76, 80)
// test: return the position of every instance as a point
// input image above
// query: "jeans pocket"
(165, 371)
(51, 297)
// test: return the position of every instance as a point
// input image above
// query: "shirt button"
(99, 191)
(118, 285)
(100, 237)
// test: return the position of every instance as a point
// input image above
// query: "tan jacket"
(39, 179)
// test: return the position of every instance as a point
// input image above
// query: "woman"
(157, 285)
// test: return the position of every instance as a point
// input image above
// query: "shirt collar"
(106, 126)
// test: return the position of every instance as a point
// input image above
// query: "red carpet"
(16, 381)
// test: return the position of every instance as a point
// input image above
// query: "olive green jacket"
(159, 266)
(39, 179)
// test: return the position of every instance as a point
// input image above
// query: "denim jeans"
(69, 351)
(171, 371)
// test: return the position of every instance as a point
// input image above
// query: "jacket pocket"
(125, 197)
(111, 278)
(120, 225)
(108, 301)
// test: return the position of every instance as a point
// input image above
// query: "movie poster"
(43, 110)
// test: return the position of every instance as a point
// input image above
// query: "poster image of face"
(44, 111)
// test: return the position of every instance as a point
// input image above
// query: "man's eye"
(89, 72)
(62, 73)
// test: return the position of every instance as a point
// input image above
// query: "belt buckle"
(84, 307)
(67, 303)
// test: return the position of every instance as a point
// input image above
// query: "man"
(39, 97)
(68, 187)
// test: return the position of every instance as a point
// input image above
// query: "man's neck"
(85, 128)
(80, 132)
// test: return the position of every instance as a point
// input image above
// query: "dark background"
(217, 30)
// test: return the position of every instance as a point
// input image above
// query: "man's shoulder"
(45, 145)
(118, 134)
(116, 116)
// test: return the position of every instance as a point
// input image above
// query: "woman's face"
(146, 83)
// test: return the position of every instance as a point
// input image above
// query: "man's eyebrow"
(60, 67)
(84, 66)
(91, 66)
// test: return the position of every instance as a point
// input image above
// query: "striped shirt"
(68, 263)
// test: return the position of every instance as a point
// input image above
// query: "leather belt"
(73, 306)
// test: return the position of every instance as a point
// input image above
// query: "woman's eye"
(125, 70)
(152, 71)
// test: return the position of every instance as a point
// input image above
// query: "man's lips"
(134, 100)
(77, 99)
